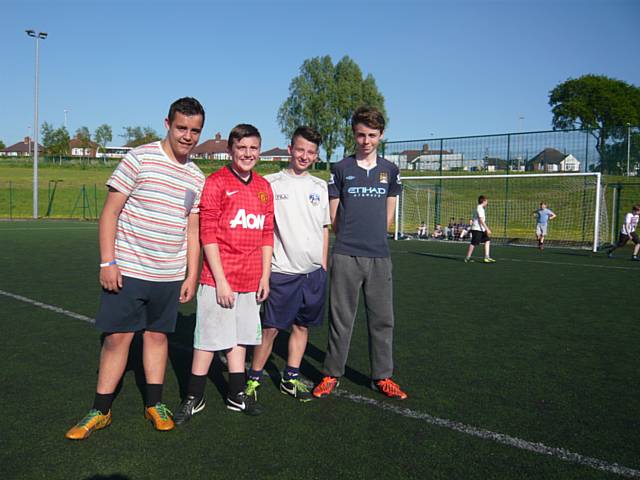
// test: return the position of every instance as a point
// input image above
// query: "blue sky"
(445, 68)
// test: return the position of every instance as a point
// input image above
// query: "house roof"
(494, 161)
(276, 152)
(80, 143)
(21, 147)
(413, 154)
(215, 145)
(549, 156)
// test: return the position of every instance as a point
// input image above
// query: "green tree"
(616, 155)
(55, 140)
(2, 145)
(47, 136)
(603, 105)
(136, 136)
(324, 97)
(84, 135)
(352, 91)
(103, 135)
(311, 102)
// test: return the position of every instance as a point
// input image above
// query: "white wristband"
(108, 264)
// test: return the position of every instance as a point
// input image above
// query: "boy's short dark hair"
(481, 199)
(369, 116)
(240, 131)
(308, 133)
(636, 208)
(188, 106)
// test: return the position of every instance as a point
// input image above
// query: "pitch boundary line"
(501, 438)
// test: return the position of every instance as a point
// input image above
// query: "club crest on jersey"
(314, 198)
(263, 197)
(384, 177)
(250, 221)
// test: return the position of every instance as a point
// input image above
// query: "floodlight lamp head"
(43, 35)
(31, 33)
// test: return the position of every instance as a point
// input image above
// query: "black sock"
(196, 386)
(154, 394)
(102, 402)
(255, 375)
(236, 383)
(291, 372)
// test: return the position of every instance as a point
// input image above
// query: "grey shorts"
(219, 328)
(541, 229)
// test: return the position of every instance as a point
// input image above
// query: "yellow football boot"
(160, 416)
(94, 420)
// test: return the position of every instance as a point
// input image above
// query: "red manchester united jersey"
(238, 216)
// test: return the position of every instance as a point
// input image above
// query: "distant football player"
(543, 216)
(628, 232)
(480, 232)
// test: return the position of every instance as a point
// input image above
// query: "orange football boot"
(389, 388)
(160, 416)
(94, 420)
(325, 387)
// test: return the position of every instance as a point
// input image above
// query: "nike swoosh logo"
(231, 193)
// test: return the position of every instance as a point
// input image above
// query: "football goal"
(445, 204)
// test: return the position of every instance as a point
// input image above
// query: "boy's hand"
(224, 295)
(263, 290)
(188, 289)
(488, 232)
(111, 278)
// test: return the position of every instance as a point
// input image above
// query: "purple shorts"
(295, 299)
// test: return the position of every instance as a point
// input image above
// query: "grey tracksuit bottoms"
(349, 275)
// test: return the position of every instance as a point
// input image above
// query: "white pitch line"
(501, 438)
(46, 228)
(508, 440)
(53, 308)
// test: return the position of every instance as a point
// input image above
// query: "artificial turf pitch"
(541, 346)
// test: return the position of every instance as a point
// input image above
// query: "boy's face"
(245, 153)
(367, 139)
(543, 205)
(303, 154)
(183, 133)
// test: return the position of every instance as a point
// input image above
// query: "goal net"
(441, 207)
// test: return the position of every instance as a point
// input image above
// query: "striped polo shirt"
(151, 231)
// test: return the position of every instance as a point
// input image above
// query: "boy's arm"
(333, 212)
(553, 215)
(484, 225)
(263, 285)
(224, 293)
(267, 249)
(325, 246)
(391, 210)
(190, 283)
(110, 277)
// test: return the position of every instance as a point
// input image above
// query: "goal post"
(448, 201)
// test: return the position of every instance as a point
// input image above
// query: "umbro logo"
(230, 193)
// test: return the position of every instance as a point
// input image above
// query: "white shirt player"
(630, 223)
(478, 215)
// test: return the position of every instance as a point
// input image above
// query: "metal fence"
(543, 151)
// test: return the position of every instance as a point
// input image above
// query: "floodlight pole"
(37, 36)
